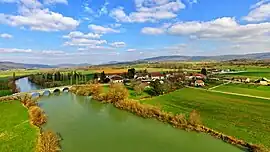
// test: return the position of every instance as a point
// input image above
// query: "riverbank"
(148, 111)
(16, 133)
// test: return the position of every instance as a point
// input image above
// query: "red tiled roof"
(156, 74)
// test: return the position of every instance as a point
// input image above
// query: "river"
(86, 125)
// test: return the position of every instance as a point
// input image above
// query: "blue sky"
(99, 31)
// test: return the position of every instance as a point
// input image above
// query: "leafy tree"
(157, 88)
(131, 73)
(95, 76)
(203, 71)
(139, 88)
(102, 77)
(117, 92)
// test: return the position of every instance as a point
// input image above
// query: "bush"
(194, 118)
(117, 92)
(37, 116)
(48, 142)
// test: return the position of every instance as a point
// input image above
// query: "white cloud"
(78, 34)
(6, 36)
(33, 15)
(261, 12)
(55, 2)
(30, 51)
(118, 44)
(149, 11)
(152, 31)
(131, 50)
(85, 42)
(102, 30)
(259, 3)
(222, 29)
(15, 50)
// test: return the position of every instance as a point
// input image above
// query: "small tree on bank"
(117, 92)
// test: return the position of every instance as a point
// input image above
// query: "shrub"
(194, 118)
(48, 142)
(37, 116)
(117, 92)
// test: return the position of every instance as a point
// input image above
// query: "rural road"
(220, 85)
(231, 93)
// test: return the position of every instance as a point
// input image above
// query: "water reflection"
(25, 85)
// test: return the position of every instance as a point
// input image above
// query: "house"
(199, 83)
(199, 76)
(247, 80)
(263, 81)
(116, 79)
(141, 76)
(196, 76)
(157, 76)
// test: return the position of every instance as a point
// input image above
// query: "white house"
(199, 83)
(116, 79)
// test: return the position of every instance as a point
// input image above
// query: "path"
(231, 93)
(220, 85)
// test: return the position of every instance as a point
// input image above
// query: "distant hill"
(12, 65)
(254, 56)
(72, 65)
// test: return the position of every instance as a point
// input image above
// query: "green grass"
(5, 93)
(249, 89)
(243, 117)
(253, 75)
(16, 133)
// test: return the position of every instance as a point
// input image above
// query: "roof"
(116, 77)
(157, 74)
(199, 75)
(199, 81)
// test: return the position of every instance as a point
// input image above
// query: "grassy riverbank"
(16, 133)
(243, 117)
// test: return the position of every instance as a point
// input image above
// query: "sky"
(100, 31)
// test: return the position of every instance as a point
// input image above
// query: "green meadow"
(16, 133)
(249, 89)
(243, 117)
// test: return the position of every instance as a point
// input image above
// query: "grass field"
(251, 75)
(16, 133)
(250, 89)
(243, 117)
(5, 93)
(18, 72)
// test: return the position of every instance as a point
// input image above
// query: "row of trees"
(58, 79)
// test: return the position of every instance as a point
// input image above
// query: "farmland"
(249, 89)
(16, 133)
(243, 117)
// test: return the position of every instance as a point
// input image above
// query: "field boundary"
(231, 93)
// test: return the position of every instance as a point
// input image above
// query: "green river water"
(89, 126)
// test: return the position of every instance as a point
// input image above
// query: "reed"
(48, 142)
